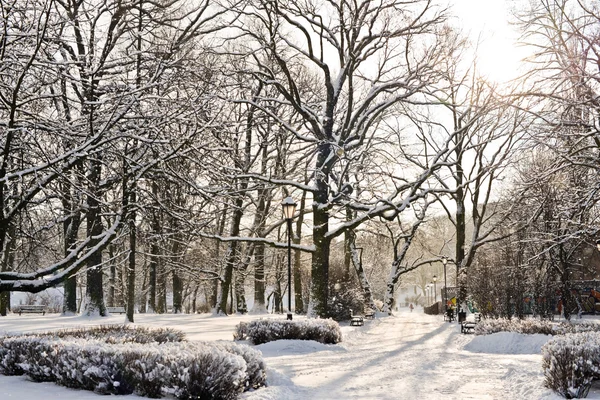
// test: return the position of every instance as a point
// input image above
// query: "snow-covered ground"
(406, 356)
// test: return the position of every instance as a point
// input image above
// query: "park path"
(407, 356)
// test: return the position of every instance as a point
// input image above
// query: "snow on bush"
(127, 365)
(255, 365)
(123, 334)
(571, 362)
(532, 326)
(261, 331)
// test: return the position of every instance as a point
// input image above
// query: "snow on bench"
(469, 326)
(116, 310)
(356, 320)
(32, 309)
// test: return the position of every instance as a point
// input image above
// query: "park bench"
(32, 309)
(469, 326)
(116, 310)
(356, 320)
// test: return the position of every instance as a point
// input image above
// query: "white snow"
(405, 356)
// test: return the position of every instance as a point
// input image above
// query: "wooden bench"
(356, 320)
(467, 326)
(116, 310)
(32, 309)
(369, 314)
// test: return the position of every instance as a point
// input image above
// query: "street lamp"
(434, 289)
(445, 261)
(289, 208)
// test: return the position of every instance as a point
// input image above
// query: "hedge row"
(571, 362)
(261, 331)
(185, 370)
(532, 326)
(121, 334)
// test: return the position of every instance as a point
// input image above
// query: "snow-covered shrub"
(533, 325)
(261, 331)
(576, 327)
(189, 370)
(571, 362)
(255, 365)
(123, 334)
(210, 373)
(527, 326)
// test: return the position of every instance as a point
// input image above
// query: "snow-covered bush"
(187, 370)
(571, 362)
(123, 334)
(532, 326)
(255, 365)
(527, 326)
(261, 331)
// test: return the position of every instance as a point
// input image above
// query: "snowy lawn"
(407, 356)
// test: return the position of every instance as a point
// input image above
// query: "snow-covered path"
(406, 356)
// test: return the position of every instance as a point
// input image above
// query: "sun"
(497, 54)
(499, 60)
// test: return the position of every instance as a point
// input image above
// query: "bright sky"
(487, 21)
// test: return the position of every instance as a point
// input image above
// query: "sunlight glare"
(486, 22)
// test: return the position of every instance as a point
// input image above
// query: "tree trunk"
(320, 257)
(154, 253)
(95, 293)
(259, 279)
(362, 277)
(7, 260)
(161, 292)
(132, 250)
(112, 276)
(70, 230)
(298, 300)
(232, 254)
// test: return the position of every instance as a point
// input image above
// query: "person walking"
(411, 307)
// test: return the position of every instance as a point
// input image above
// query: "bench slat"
(32, 309)
(116, 310)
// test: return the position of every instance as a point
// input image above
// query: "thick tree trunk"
(111, 277)
(154, 255)
(95, 293)
(131, 257)
(161, 292)
(177, 293)
(298, 300)
(70, 229)
(7, 259)
(232, 254)
(320, 258)
(259, 279)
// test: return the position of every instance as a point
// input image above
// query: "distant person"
(411, 307)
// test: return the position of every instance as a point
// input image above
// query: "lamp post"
(445, 261)
(434, 289)
(289, 208)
